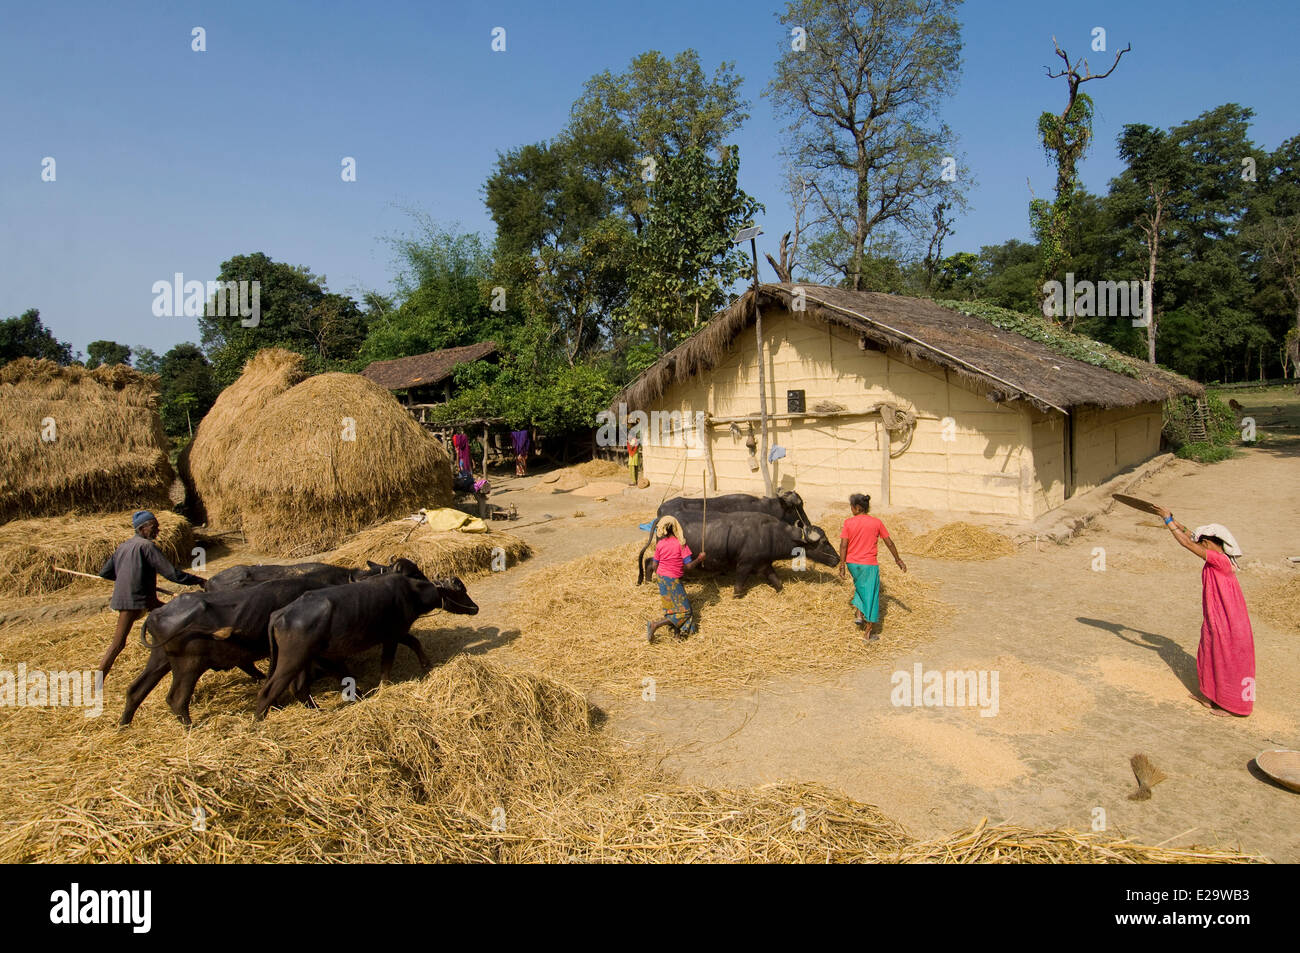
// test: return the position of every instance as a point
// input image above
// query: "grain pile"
(75, 440)
(472, 763)
(437, 553)
(961, 541)
(30, 549)
(561, 481)
(1279, 604)
(298, 468)
(202, 464)
(586, 625)
(596, 469)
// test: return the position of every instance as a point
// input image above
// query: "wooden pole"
(485, 446)
(86, 575)
(884, 466)
(762, 387)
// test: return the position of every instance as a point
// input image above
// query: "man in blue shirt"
(134, 567)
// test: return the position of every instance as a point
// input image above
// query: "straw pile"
(298, 468)
(109, 450)
(595, 469)
(472, 763)
(961, 541)
(1279, 604)
(561, 481)
(202, 464)
(437, 553)
(30, 549)
(586, 625)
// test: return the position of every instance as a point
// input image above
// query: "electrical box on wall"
(795, 402)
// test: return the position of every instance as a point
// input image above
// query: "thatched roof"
(78, 440)
(1002, 365)
(421, 370)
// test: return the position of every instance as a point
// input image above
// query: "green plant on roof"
(1057, 338)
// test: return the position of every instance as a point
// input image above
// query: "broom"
(1148, 776)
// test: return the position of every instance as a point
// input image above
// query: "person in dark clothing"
(134, 568)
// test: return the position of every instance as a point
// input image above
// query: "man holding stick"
(134, 568)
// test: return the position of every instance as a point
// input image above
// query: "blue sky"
(170, 160)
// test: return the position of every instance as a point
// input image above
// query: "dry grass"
(276, 463)
(472, 763)
(109, 450)
(437, 553)
(586, 625)
(961, 541)
(202, 464)
(30, 549)
(595, 469)
(1279, 604)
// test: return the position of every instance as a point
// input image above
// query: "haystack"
(202, 464)
(437, 553)
(326, 458)
(75, 440)
(30, 549)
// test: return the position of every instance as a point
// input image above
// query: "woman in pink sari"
(1225, 659)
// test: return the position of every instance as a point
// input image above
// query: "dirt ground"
(1094, 666)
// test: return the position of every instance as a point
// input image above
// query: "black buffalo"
(786, 506)
(240, 577)
(218, 630)
(335, 623)
(749, 543)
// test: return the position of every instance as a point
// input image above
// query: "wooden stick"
(87, 575)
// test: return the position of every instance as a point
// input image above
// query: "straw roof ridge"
(1000, 363)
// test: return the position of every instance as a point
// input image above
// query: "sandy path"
(1093, 666)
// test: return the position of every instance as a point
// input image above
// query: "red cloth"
(1225, 659)
(863, 532)
(672, 557)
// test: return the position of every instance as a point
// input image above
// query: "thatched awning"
(423, 370)
(1002, 365)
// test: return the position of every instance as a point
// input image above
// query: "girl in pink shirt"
(673, 558)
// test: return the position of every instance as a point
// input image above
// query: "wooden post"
(485, 449)
(706, 438)
(762, 387)
(884, 465)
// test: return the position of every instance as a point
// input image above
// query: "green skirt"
(866, 590)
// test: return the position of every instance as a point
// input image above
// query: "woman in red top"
(673, 558)
(858, 545)
(1225, 657)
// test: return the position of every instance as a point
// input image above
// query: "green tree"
(26, 336)
(863, 102)
(187, 388)
(1065, 138)
(445, 292)
(684, 260)
(663, 107)
(107, 352)
(562, 244)
(297, 313)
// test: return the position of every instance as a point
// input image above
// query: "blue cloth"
(866, 590)
(677, 607)
(648, 526)
(140, 518)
